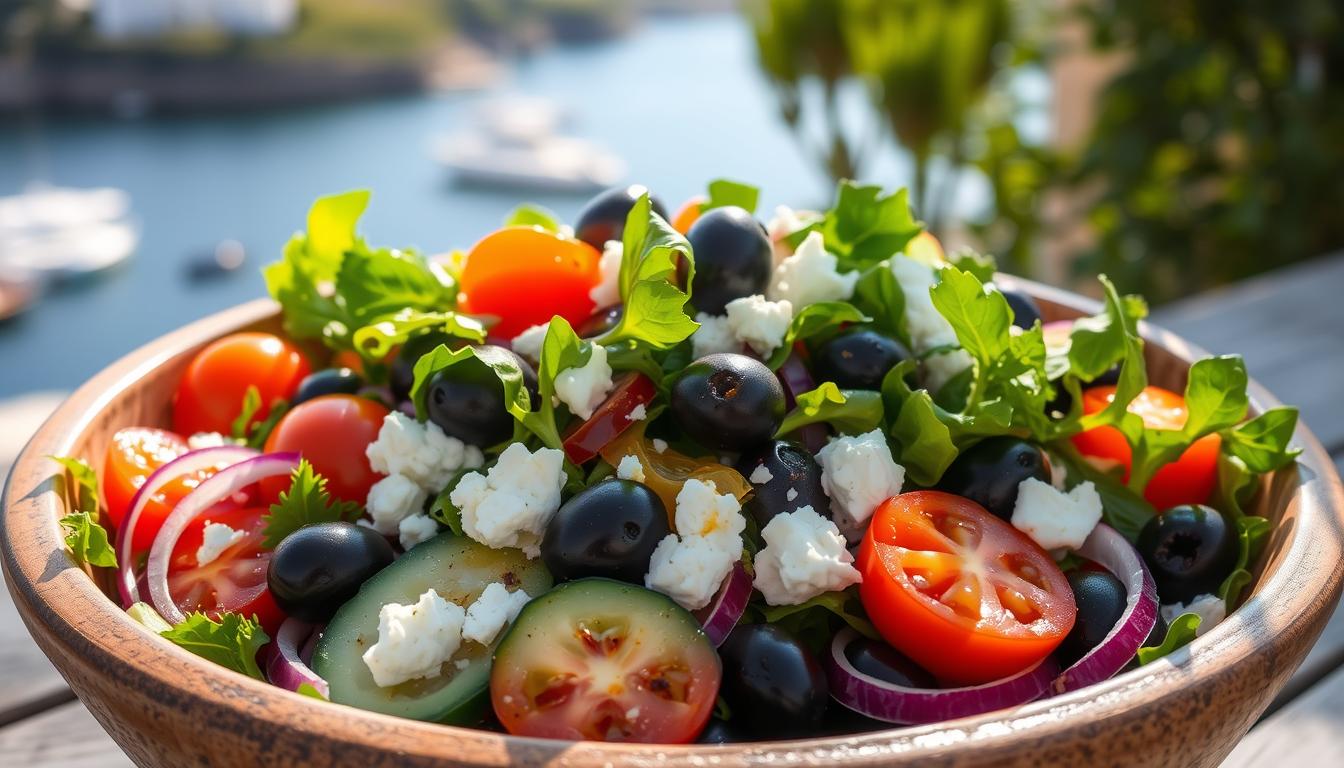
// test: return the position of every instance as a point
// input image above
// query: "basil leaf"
(814, 320)
(231, 642)
(1179, 634)
(529, 215)
(1263, 442)
(723, 192)
(851, 412)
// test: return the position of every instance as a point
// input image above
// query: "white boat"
(514, 145)
(59, 232)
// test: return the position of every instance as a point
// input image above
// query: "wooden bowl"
(167, 707)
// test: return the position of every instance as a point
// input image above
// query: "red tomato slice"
(132, 457)
(332, 432)
(525, 276)
(233, 582)
(1188, 480)
(962, 593)
(210, 395)
(611, 418)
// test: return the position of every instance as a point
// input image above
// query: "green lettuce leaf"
(878, 295)
(231, 642)
(724, 192)
(655, 307)
(87, 541)
(376, 340)
(814, 321)
(865, 226)
(850, 411)
(529, 215)
(1263, 442)
(812, 622)
(1236, 486)
(981, 265)
(1179, 634)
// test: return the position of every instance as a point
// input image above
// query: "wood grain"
(64, 737)
(1304, 733)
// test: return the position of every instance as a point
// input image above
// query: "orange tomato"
(667, 471)
(131, 458)
(965, 595)
(525, 275)
(210, 395)
(688, 214)
(1187, 480)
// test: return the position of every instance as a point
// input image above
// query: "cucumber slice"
(458, 569)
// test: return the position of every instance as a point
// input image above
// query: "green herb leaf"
(1263, 442)
(1215, 397)
(851, 411)
(924, 442)
(655, 307)
(231, 642)
(530, 215)
(87, 541)
(377, 284)
(866, 226)
(310, 262)
(444, 510)
(376, 340)
(981, 265)
(878, 295)
(251, 404)
(723, 192)
(811, 621)
(1179, 634)
(305, 503)
(257, 435)
(79, 485)
(655, 315)
(815, 320)
(1236, 486)
(980, 319)
(1096, 344)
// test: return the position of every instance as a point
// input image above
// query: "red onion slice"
(211, 491)
(187, 463)
(285, 667)
(793, 374)
(1107, 548)
(891, 703)
(726, 609)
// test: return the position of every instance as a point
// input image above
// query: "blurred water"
(680, 100)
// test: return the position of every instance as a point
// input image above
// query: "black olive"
(609, 529)
(877, 659)
(401, 374)
(772, 683)
(332, 381)
(733, 258)
(1190, 550)
(466, 401)
(722, 732)
(795, 481)
(1101, 600)
(858, 359)
(603, 217)
(728, 402)
(316, 569)
(1062, 402)
(1025, 309)
(989, 472)
(600, 322)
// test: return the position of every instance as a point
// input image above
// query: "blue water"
(680, 99)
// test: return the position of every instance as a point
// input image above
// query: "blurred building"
(125, 19)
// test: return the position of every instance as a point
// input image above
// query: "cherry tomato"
(236, 580)
(604, 660)
(332, 433)
(962, 593)
(210, 395)
(688, 213)
(667, 470)
(132, 457)
(526, 275)
(611, 418)
(1188, 480)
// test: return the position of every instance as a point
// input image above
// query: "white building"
(125, 19)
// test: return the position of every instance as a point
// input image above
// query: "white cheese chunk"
(511, 504)
(804, 556)
(584, 388)
(659, 444)
(528, 343)
(391, 500)
(638, 413)
(859, 473)
(927, 326)
(420, 452)
(1211, 610)
(208, 440)
(759, 323)
(414, 640)
(761, 475)
(781, 225)
(713, 336)
(215, 538)
(630, 468)
(416, 529)
(702, 511)
(811, 275)
(1054, 519)
(690, 570)
(496, 607)
(607, 292)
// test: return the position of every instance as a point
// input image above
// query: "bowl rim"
(51, 591)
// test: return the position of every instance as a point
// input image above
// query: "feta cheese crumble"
(638, 413)
(810, 275)
(759, 323)
(785, 222)
(584, 388)
(391, 500)
(928, 328)
(528, 343)
(208, 440)
(1211, 610)
(420, 452)
(215, 538)
(1055, 519)
(791, 494)
(761, 475)
(659, 444)
(608, 290)
(689, 566)
(713, 336)
(630, 468)
(804, 556)
(496, 607)
(414, 640)
(510, 505)
(416, 529)
(858, 473)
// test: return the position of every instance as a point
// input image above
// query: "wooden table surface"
(1289, 326)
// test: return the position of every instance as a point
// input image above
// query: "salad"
(678, 480)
